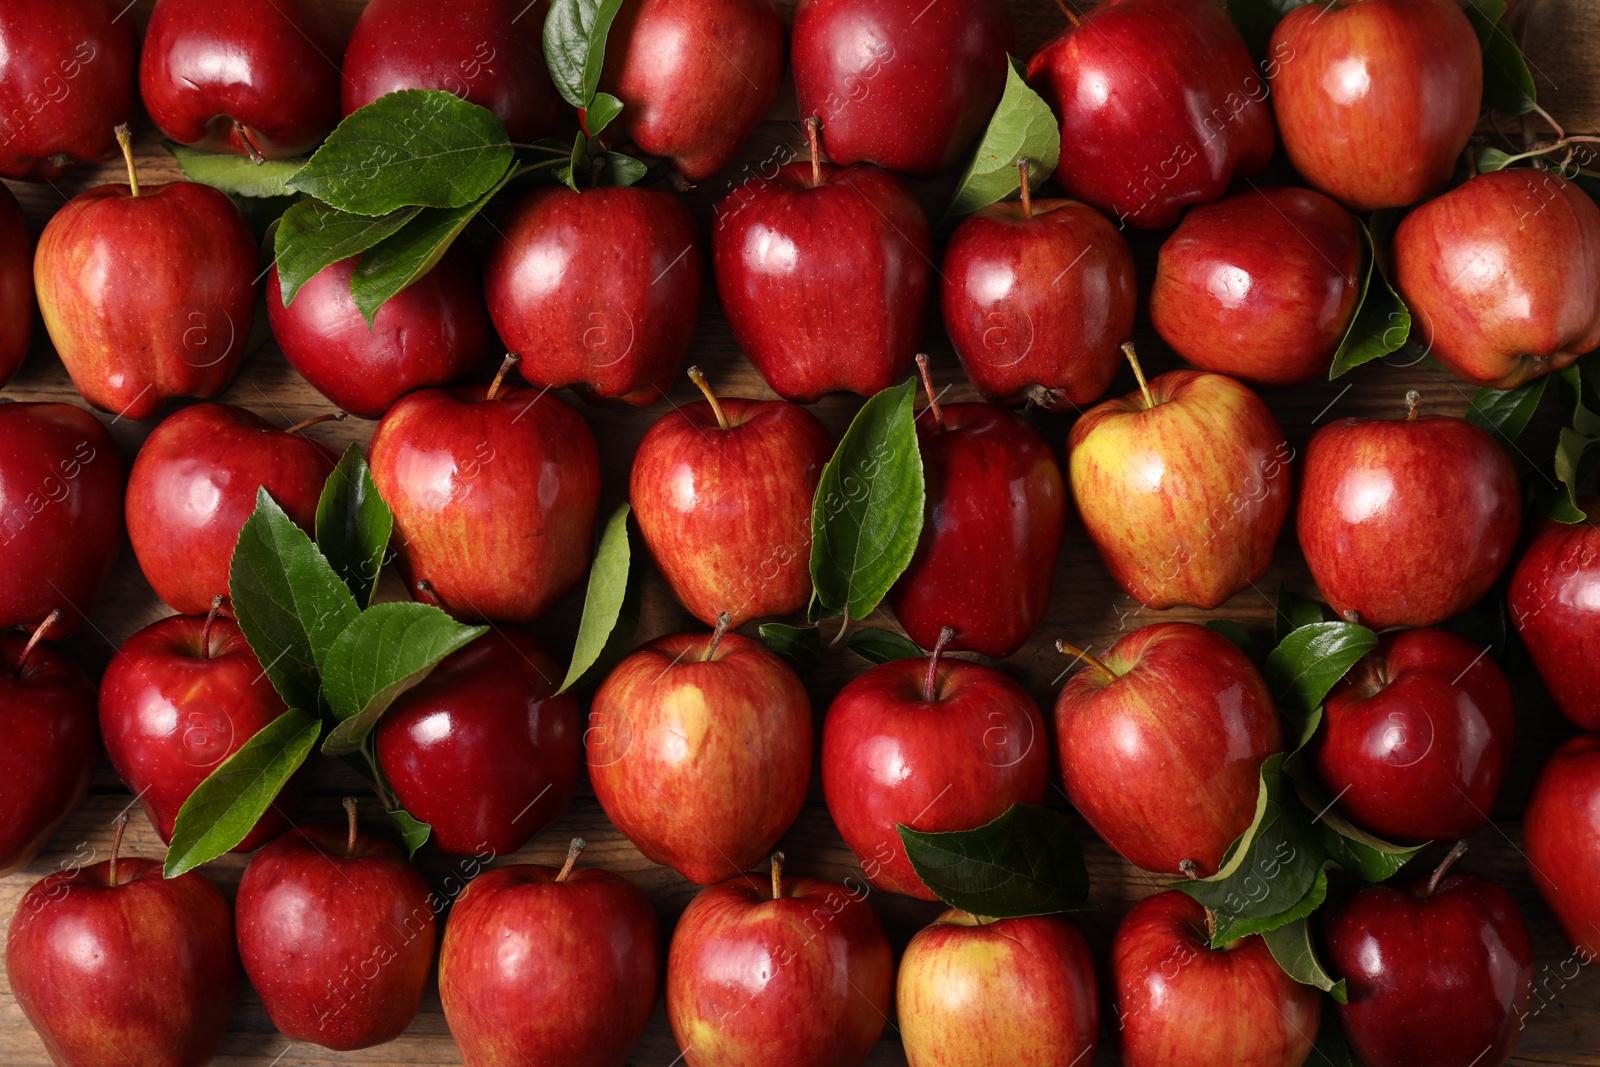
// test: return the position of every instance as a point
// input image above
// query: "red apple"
(61, 484)
(481, 749)
(257, 78)
(1261, 286)
(1346, 75)
(749, 961)
(16, 284)
(547, 968)
(1502, 275)
(1160, 107)
(1161, 743)
(66, 81)
(974, 992)
(1406, 522)
(900, 83)
(695, 77)
(194, 484)
(699, 750)
(1561, 836)
(937, 745)
(1555, 605)
(598, 290)
(1178, 1000)
(1183, 487)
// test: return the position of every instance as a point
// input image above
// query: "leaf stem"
(716, 636)
(1089, 660)
(125, 142)
(332, 416)
(1138, 374)
(1434, 879)
(777, 876)
(350, 815)
(574, 850)
(711, 398)
(37, 636)
(205, 628)
(813, 138)
(1413, 398)
(930, 681)
(1027, 194)
(116, 847)
(511, 360)
(927, 385)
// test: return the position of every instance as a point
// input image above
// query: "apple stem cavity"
(1027, 194)
(1456, 853)
(1413, 398)
(574, 850)
(777, 876)
(927, 385)
(930, 681)
(1090, 661)
(511, 360)
(1138, 374)
(332, 416)
(429, 595)
(35, 637)
(125, 142)
(121, 824)
(350, 839)
(249, 146)
(814, 139)
(711, 398)
(716, 636)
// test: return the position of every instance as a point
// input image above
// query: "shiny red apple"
(1554, 602)
(16, 285)
(1561, 837)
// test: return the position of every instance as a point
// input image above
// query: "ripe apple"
(430, 333)
(61, 484)
(1183, 486)
(147, 293)
(1173, 991)
(941, 745)
(1261, 285)
(900, 83)
(194, 484)
(1561, 835)
(598, 290)
(257, 78)
(481, 749)
(974, 992)
(488, 52)
(1555, 605)
(699, 749)
(723, 491)
(1161, 743)
(750, 960)
(1346, 75)
(178, 698)
(494, 496)
(1406, 522)
(16, 283)
(1147, 126)
(67, 71)
(695, 78)
(336, 933)
(547, 968)
(1439, 970)
(1502, 275)
(114, 965)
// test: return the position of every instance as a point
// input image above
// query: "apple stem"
(511, 360)
(1093, 663)
(430, 595)
(1191, 870)
(37, 636)
(814, 139)
(716, 635)
(125, 142)
(249, 146)
(1211, 925)
(1138, 373)
(574, 850)
(777, 876)
(1027, 194)
(1413, 398)
(1072, 16)
(1438, 875)
(116, 847)
(930, 681)
(711, 398)
(205, 630)
(927, 385)
(350, 814)
(332, 416)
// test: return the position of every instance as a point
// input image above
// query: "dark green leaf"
(1292, 946)
(575, 46)
(600, 114)
(414, 833)
(1331, 1049)
(1506, 412)
(1507, 85)
(1362, 854)
(1382, 322)
(623, 169)
(881, 646)
(1026, 862)
(1257, 19)
(235, 175)
(1312, 658)
(311, 236)
(1487, 160)
(610, 606)
(797, 644)
(1292, 612)
(353, 525)
(1235, 633)
(1023, 127)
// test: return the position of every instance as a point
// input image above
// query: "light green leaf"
(575, 46)
(610, 605)
(311, 236)
(1023, 127)
(353, 525)
(1312, 658)
(414, 833)
(235, 175)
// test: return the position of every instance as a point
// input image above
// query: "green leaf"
(1576, 454)
(1235, 633)
(1487, 160)
(311, 236)
(867, 513)
(1312, 658)
(598, 115)
(1292, 612)
(623, 169)
(386, 651)
(1292, 946)
(353, 525)
(1023, 127)
(881, 646)
(610, 606)
(1507, 85)
(1026, 862)
(1256, 19)
(1331, 1049)
(235, 175)
(414, 833)
(225, 807)
(1382, 322)
(1506, 412)
(412, 148)
(575, 46)
(289, 602)
(1362, 854)
(797, 644)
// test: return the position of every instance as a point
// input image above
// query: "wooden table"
(1087, 608)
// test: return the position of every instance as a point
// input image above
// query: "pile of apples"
(700, 747)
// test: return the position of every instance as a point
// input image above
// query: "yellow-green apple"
(16, 284)
(1561, 835)
(1554, 602)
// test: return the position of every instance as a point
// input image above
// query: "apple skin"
(494, 498)
(1036, 304)
(1554, 600)
(743, 967)
(1406, 522)
(695, 79)
(1183, 500)
(337, 942)
(229, 75)
(140, 973)
(47, 711)
(702, 763)
(16, 285)
(1561, 835)
(1179, 1001)
(727, 512)
(995, 514)
(599, 290)
(61, 487)
(810, 320)
(1261, 285)
(891, 756)
(1416, 739)
(67, 73)
(1346, 75)
(170, 715)
(547, 973)
(148, 297)
(482, 749)
(1502, 275)
(428, 334)
(1440, 979)
(193, 486)
(1161, 751)
(488, 52)
(897, 83)
(1129, 141)
(974, 993)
